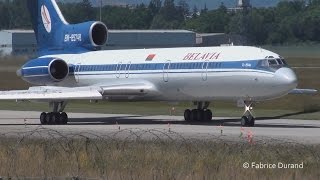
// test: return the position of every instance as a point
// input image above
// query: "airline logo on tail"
(46, 19)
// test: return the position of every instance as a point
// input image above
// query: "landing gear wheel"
(200, 115)
(244, 121)
(64, 118)
(251, 120)
(194, 115)
(207, 115)
(53, 118)
(43, 118)
(187, 115)
(49, 118)
(56, 118)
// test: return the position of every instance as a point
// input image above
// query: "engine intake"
(90, 35)
(98, 34)
(58, 70)
(44, 71)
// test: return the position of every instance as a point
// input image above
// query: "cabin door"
(128, 66)
(204, 73)
(77, 72)
(166, 69)
(118, 70)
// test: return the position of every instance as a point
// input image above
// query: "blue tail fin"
(55, 35)
(47, 21)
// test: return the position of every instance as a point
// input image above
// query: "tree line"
(289, 22)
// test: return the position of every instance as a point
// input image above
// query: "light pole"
(100, 10)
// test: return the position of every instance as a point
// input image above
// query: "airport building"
(219, 39)
(23, 42)
(17, 42)
(131, 39)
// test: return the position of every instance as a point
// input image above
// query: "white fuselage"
(185, 74)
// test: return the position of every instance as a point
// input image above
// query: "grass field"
(83, 157)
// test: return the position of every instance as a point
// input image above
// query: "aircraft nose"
(287, 77)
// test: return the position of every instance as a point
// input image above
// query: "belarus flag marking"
(150, 57)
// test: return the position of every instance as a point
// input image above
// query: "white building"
(17, 42)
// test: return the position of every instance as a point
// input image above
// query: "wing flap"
(138, 89)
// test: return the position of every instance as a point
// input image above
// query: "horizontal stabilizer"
(304, 91)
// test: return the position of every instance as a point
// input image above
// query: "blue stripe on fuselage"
(172, 66)
(38, 69)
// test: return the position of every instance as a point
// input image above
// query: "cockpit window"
(279, 61)
(272, 62)
(284, 62)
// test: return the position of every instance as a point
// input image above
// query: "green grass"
(156, 159)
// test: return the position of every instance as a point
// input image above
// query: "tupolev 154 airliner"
(70, 66)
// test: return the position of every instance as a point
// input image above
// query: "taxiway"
(222, 128)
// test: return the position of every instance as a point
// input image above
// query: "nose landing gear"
(248, 120)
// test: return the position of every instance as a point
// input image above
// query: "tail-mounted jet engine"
(90, 35)
(44, 71)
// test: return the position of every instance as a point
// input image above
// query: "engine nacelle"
(90, 35)
(43, 71)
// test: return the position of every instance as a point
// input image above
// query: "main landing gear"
(248, 120)
(55, 117)
(202, 113)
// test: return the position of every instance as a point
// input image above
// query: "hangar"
(23, 42)
(17, 42)
(131, 39)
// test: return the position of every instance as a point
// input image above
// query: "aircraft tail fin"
(55, 35)
(47, 19)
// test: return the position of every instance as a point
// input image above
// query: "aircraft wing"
(50, 93)
(304, 91)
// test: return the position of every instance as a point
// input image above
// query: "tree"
(140, 18)
(169, 10)
(214, 21)
(195, 11)
(169, 17)
(183, 8)
(86, 11)
(4, 17)
(154, 6)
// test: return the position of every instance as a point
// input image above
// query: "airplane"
(71, 66)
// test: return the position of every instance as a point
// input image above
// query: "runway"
(19, 123)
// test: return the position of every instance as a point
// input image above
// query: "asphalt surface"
(20, 123)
